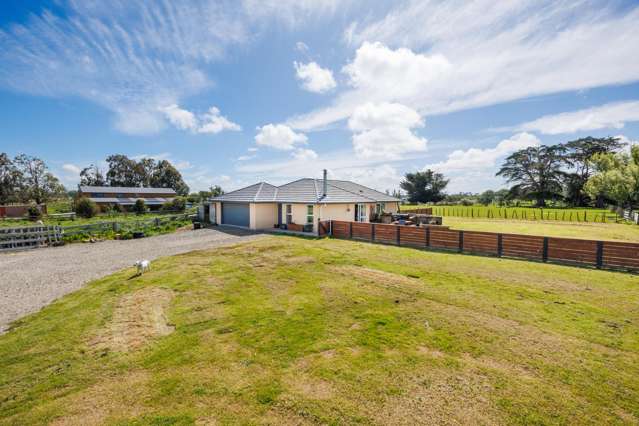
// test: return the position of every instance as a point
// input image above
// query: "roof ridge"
(257, 194)
(351, 192)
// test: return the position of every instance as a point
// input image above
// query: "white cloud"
(474, 169)
(384, 130)
(213, 122)
(279, 136)
(304, 154)
(208, 122)
(301, 47)
(180, 118)
(459, 55)
(71, 168)
(608, 116)
(315, 78)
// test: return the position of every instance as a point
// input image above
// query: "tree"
(37, 183)
(487, 197)
(616, 177)
(92, 176)
(167, 176)
(123, 171)
(579, 154)
(424, 187)
(536, 171)
(216, 190)
(10, 180)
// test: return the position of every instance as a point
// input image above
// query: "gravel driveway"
(32, 279)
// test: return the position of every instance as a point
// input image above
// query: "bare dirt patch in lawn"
(94, 406)
(374, 275)
(138, 317)
(443, 400)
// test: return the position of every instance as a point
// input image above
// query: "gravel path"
(32, 279)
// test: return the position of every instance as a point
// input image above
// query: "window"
(360, 213)
(289, 214)
(380, 207)
(309, 213)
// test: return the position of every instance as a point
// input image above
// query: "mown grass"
(523, 213)
(288, 330)
(587, 230)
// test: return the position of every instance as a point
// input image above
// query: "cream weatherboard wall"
(263, 215)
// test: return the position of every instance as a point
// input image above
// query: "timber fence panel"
(591, 253)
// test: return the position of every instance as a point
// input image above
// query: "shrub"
(177, 204)
(85, 207)
(139, 207)
(34, 213)
(466, 202)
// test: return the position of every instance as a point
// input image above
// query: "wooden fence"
(598, 254)
(29, 237)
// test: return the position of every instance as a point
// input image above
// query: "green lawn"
(287, 330)
(587, 230)
(522, 213)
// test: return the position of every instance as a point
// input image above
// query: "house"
(298, 205)
(126, 196)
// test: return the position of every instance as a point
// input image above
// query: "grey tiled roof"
(126, 190)
(307, 191)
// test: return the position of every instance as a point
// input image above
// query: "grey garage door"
(235, 214)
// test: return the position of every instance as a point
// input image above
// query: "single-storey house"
(126, 196)
(298, 205)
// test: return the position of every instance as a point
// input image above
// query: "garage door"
(235, 214)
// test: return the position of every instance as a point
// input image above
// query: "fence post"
(461, 241)
(398, 237)
(600, 246)
(350, 230)
(544, 253)
(500, 245)
(372, 232)
(428, 236)
(330, 228)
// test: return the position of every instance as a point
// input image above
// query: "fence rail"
(29, 237)
(598, 254)
(41, 235)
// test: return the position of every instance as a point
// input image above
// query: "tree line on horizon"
(580, 173)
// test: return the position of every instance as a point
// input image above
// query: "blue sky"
(234, 92)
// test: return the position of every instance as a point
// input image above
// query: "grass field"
(287, 330)
(583, 230)
(523, 213)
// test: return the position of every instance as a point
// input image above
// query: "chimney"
(325, 185)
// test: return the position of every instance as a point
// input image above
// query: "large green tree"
(536, 171)
(10, 180)
(616, 177)
(147, 172)
(424, 187)
(38, 184)
(578, 157)
(92, 176)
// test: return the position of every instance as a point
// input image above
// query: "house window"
(360, 213)
(309, 213)
(380, 207)
(289, 214)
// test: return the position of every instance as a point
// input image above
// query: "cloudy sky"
(239, 91)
